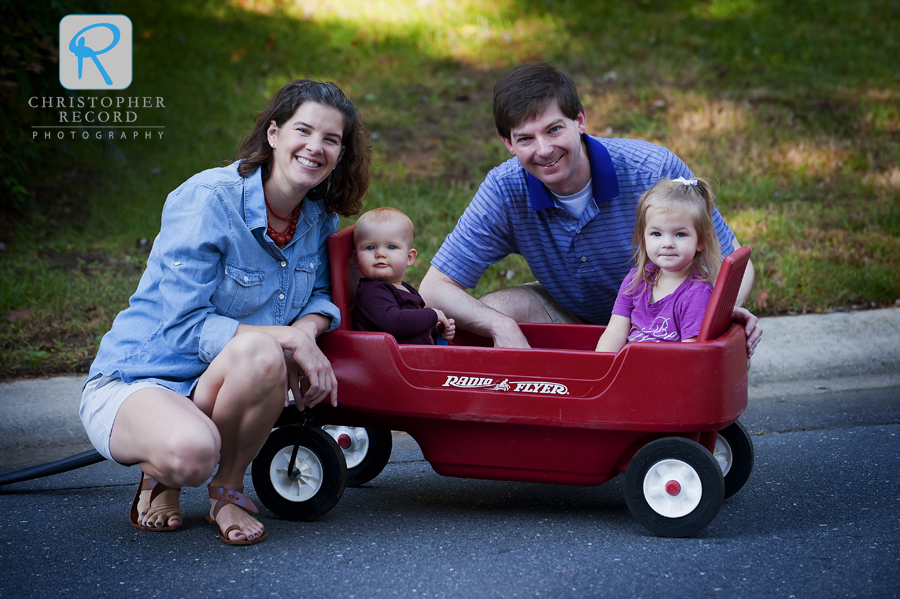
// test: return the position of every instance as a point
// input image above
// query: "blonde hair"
(384, 215)
(698, 201)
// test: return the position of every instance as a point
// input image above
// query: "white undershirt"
(575, 203)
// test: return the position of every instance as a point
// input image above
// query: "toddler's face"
(383, 251)
(671, 239)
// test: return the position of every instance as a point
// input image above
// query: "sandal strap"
(156, 488)
(234, 496)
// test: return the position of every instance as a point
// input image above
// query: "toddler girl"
(677, 257)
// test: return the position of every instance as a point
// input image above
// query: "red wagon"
(664, 414)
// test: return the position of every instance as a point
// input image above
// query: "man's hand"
(751, 328)
(508, 334)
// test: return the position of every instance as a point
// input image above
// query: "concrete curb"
(827, 352)
(810, 354)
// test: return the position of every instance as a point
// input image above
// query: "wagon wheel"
(367, 451)
(734, 453)
(674, 487)
(319, 468)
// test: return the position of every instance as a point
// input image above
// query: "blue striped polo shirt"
(580, 262)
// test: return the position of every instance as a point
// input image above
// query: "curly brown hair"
(347, 184)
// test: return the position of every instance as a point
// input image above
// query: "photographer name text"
(108, 116)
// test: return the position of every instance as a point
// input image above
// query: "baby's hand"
(449, 325)
(449, 330)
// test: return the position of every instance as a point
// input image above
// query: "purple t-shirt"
(382, 307)
(673, 318)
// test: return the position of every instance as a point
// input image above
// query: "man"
(566, 202)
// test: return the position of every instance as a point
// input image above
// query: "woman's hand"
(312, 379)
(309, 374)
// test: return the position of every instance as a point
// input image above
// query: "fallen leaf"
(239, 53)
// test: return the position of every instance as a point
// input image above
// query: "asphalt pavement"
(805, 355)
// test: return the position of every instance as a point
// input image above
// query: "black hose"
(64, 465)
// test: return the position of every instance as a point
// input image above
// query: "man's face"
(550, 148)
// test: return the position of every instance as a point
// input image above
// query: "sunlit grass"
(793, 108)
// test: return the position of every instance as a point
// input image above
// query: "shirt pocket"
(304, 279)
(240, 293)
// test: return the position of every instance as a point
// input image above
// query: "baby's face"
(382, 251)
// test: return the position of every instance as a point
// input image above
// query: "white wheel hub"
(723, 454)
(356, 439)
(672, 488)
(307, 482)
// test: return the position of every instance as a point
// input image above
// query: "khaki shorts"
(557, 313)
(100, 402)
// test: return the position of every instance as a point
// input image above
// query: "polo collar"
(604, 184)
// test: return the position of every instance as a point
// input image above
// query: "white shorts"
(100, 402)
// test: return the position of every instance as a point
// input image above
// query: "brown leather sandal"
(155, 488)
(235, 496)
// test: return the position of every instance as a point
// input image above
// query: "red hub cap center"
(673, 487)
(344, 442)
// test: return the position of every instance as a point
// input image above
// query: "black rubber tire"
(740, 445)
(379, 454)
(689, 453)
(320, 452)
(381, 443)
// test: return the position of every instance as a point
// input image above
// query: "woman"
(225, 319)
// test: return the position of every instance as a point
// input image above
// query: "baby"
(382, 250)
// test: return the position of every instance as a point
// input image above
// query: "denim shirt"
(213, 267)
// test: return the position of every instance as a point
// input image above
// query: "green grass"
(793, 107)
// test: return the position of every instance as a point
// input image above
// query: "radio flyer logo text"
(490, 384)
(95, 52)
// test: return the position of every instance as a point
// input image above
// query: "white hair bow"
(684, 181)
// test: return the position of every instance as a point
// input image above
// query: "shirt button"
(584, 258)
(283, 264)
(246, 279)
(280, 296)
(312, 265)
(577, 231)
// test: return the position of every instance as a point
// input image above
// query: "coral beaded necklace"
(282, 239)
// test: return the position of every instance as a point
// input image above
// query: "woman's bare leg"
(243, 393)
(172, 440)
